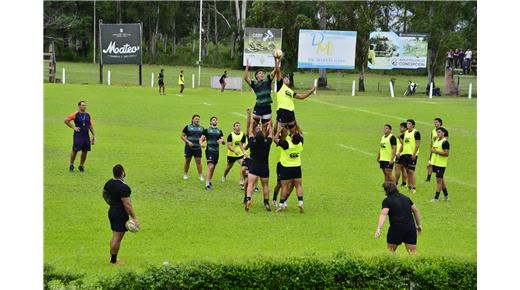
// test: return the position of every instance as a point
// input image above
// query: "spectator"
(450, 58)
(456, 57)
(468, 55)
(461, 58)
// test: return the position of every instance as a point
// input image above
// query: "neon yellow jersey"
(236, 139)
(181, 79)
(434, 135)
(439, 160)
(409, 142)
(398, 147)
(291, 157)
(284, 98)
(385, 151)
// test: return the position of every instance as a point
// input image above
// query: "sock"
(300, 198)
(266, 201)
(437, 195)
(282, 201)
(207, 183)
(404, 183)
(429, 177)
(248, 198)
(113, 258)
(413, 187)
(445, 191)
(275, 195)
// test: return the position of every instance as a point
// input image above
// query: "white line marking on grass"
(451, 179)
(207, 104)
(239, 114)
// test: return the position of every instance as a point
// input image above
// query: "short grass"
(181, 221)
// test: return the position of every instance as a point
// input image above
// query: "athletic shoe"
(201, 178)
(267, 207)
(281, 207)
(256, 189)
(446, 198)
(241, 187)
(185, 176)
(223, 179)
(300, 206)
(81, 168)
(434, 200)
(248, 205)
(71, 168)
(275, 204)
(412, 191)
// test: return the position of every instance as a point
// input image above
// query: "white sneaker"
(446, 198)
(223, 179)
(256, 189)
(281, 207)
(434, 200)
(185, 176)
(201, 178)
(300, 205)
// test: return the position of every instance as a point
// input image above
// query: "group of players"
(251, 149)
(403, 150)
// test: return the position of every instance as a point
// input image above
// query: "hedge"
(340, 272)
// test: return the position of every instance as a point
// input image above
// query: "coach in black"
(117, 195)
(401, 212)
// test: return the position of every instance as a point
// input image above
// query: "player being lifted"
(386, 153)
(213, 136)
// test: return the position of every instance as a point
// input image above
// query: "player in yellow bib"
(386, 153)
(399, 167)
(181, 81)
(437, 122)
(440, 151)
(409, 151)
(236, 141)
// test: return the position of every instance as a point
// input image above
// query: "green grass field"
(181, 221)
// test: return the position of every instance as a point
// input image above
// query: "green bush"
(303, 273)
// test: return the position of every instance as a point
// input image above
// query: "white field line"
(207, 104)
(239, 114)
(452, 179)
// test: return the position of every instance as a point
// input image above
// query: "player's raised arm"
(276, 70)
(246, 73)
(306, 94)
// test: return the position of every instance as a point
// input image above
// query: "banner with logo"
(120, 43)
(327, 49)
(387, 50)
(259, 44)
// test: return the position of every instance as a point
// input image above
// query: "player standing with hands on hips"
(81, 139)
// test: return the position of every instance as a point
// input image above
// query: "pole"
(151, 81)
(315, 85)
(108, 77)
(469, 90)
(63, 76)
(94, 38)
(431, 90)
(192, 81)
(200, 38)
(140, 74)
(100, 55)
(353, 88)
(391, 89)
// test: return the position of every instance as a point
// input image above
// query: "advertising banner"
(327, 49)
(387, 50)
(259, 44)
(120, 43)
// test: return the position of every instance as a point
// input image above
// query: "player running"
(161, 82)
(191, 136)
(440, 152)
(437, 122)
(236, 141)
(409, 151)
(181, 81)
(260, 144)
(399, 166)
(81, 138)
(262, 87)
(290, 171)
(213, 136)
(386, 153)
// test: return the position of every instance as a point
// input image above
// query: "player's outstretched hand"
(136, 222)
(378, 233)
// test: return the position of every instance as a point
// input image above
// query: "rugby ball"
(277, 53)
(131, 226)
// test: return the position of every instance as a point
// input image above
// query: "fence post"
(469, 90)
(63, 76)
(391, 89)
(353, 88)
(151, 81)
(192, 81)
(315, 85)
(108, 77)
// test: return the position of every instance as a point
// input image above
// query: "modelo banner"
(259, 44)
(327, 49)
(387, 50)
(120, 43)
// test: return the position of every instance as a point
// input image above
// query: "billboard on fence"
(387, 50)
(120, 43)
(327, 49)
(259, 44)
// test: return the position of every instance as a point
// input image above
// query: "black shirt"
(260, 150)
(115, 190)
(222, 78)
(400, 208)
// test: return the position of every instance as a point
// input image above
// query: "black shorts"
(188, 152)
(263, 112)
(408, 162)
(278, 166)
(81, 143)
(211, 157)
(118, 219)
(285, 116)
(439, 171)
(161, 83)
(258, 169)
(288, 173)
(402, 233)
(385, 165)
(246, 163)
(398, 160)
(231, 159)
(221, 81)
